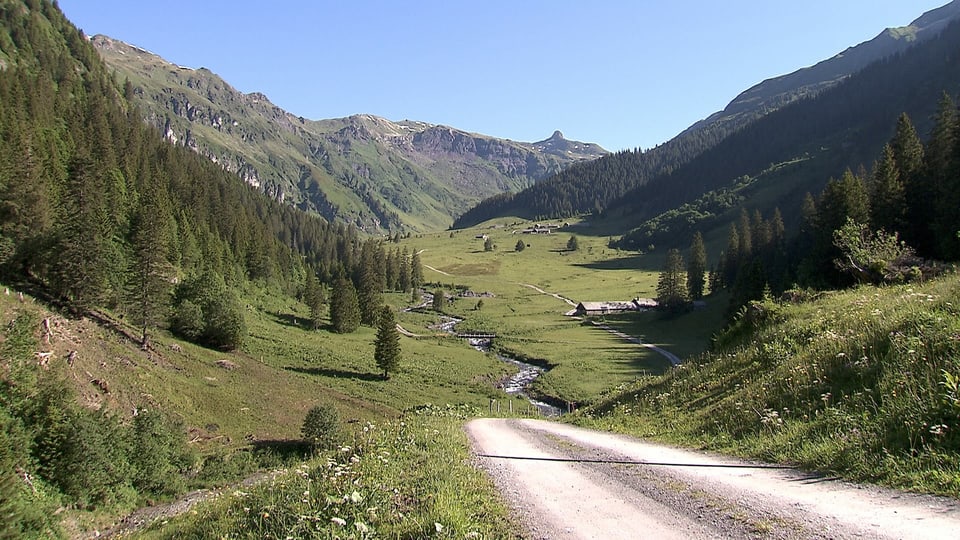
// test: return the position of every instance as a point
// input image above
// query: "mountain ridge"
(776, 92)
(615, 180)
(379, 174)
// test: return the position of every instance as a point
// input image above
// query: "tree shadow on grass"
(649, 263)
(336, 373)
(283, 448)
(289, 319)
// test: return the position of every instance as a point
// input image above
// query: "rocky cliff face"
(369, 171)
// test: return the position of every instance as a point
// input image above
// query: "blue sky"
(621, 73)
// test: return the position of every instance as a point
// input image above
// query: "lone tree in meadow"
(573, 244)
(488, 244)
(520, 246)
(387, 345)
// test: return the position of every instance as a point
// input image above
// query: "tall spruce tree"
(943, 183)
(371, 281)
(671, 286)
(369, 296)
(80, 270)
(731, 257)
(696, 267)
(344, 307)
(315, 298)
(151, 286)
(387, 346)
(404, 271)
(416, 270)
(887, 197)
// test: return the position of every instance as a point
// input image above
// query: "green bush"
(208, 313)
(321, 427)
(159, 454)
(187, 321)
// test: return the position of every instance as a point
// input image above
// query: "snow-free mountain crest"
(378, 174)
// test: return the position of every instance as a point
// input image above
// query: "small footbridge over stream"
(475, 335)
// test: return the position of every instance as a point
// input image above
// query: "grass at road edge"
(409, 478)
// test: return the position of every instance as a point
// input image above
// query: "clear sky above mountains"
(621, 73)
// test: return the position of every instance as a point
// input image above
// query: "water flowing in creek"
(517, 384)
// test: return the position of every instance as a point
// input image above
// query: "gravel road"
(568, 482)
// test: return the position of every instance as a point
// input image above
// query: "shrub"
(321, 427)
(208, 313)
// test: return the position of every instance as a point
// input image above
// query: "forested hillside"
(844, 126)
(91, 198)
(103, 219)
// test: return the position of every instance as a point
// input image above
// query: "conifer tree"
(315, 298)
(404, 271)
(416, 270)
(520, 246)
(760, 232)
(887, 198)
(941, 183)
(80, 271)
(438, 298)
(777, 228)
(152, 271)
(387, 345)
(369, 296)
(696, 267)
(841, 199)
(671, 286)
(745, 248)
(393, 270)
(731, 256)
(344, 307)
(371, 281)
(907, 149)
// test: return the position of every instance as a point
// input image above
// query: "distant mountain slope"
(809, 141)
(774, 93)
(380, 175)
(604, 183)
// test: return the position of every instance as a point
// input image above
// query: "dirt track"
(568, 482)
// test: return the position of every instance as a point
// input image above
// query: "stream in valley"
(518, 383)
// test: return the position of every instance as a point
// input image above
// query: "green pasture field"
(586, 360)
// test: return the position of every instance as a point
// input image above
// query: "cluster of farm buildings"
(605, 308)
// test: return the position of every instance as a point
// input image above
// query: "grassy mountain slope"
(617, 181)
(377, 174)
(864, 383)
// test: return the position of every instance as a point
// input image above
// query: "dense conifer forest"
(99, 214)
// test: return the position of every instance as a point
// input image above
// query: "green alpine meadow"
(222, 320)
